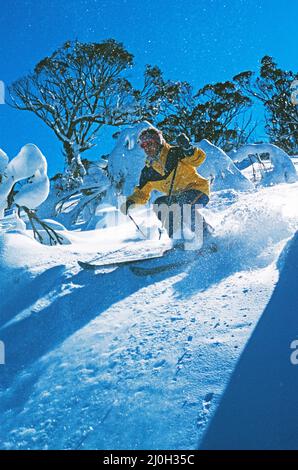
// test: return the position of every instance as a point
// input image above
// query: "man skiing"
(170, 170)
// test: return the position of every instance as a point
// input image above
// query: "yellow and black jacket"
(159, 174)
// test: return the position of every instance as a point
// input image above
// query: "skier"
(170, 170)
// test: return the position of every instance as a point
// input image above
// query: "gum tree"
(76, 91)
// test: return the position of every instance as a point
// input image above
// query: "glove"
(125, 206)
(185, 145)
(183, 142)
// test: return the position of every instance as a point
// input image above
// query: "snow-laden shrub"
(282, 168)
(24, 184)
(29, 165)
(125, 164)
(221, 171)
(104, 183)
(77, 208)
(127, 160)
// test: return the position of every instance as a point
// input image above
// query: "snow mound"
(220, 169)
(283, 169)
(12, 223)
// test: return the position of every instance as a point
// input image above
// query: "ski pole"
(132, 219)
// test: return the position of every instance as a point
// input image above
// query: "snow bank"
(283, 169)
(259, 407)
(221, 171)
(17, 250)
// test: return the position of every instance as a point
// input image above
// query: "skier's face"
(150, 147)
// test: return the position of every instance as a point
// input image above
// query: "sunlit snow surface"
(109, 360)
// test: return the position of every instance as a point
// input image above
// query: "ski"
(116, 264)
(143, 271)
(149, 271)
(180, 258)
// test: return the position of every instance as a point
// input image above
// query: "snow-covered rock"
(221, 171)
(282, 170)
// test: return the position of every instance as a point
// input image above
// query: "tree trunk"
(74, 168)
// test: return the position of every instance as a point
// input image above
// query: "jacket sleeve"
(141, 196)
(197, 158)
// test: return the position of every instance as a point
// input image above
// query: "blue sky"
(200, 41)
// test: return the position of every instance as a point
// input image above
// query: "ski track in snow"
(110, 360)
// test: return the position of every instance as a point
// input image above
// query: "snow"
(27, 162)
(31, 165)
(283, 168)
(109, 360)
(127, 159)
(3, 161)
(220, 169)
(260, 401)
(12, 223)
(81, 205)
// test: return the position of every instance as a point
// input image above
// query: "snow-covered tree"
(76, 91)
(273, 87)
(212, 113)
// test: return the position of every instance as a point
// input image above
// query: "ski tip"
(86, 265)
